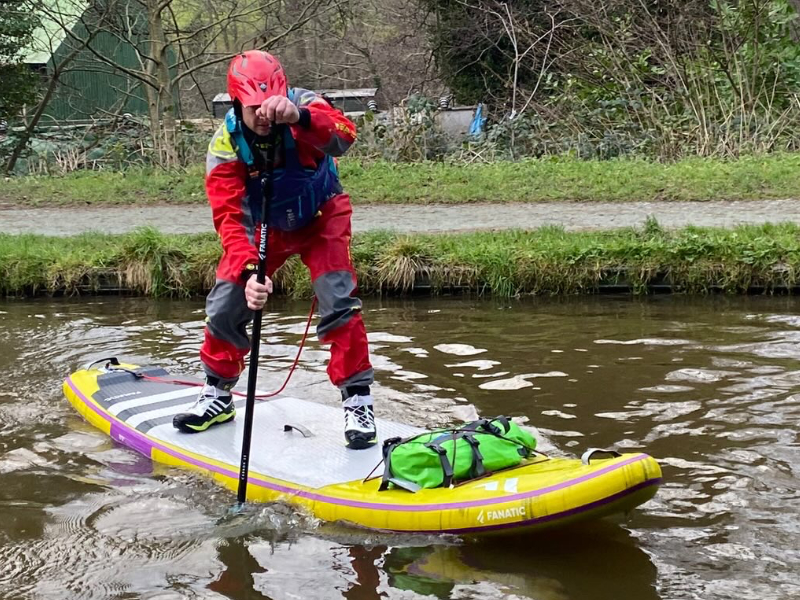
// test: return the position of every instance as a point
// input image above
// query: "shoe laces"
(360, 417)
(208, 397)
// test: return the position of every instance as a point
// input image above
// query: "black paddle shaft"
(255, 344)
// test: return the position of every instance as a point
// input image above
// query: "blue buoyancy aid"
(297, 192)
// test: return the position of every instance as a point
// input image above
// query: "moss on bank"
(544, 261)
(544, 180)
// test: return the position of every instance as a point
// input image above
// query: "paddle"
(261, 273)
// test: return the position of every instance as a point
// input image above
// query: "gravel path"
(418, 218)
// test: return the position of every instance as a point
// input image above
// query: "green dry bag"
(441, 458)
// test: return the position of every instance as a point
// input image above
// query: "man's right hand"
(256, 293)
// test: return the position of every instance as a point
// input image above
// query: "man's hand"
(256, 293)
(278, 109)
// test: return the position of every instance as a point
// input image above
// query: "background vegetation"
(547, 179)
(545, 261)
(654, 79)
(17, 83)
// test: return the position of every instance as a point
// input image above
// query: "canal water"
(710, 387)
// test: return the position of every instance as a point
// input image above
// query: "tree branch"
(302, 20)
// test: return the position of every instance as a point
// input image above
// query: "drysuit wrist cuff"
(305, 118)
(249, 269)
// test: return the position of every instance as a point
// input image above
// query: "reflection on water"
(707, 386)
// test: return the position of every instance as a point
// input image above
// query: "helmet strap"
(250, 136)
(237, 109)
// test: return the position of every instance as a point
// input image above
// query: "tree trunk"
(795, 27)
(31, 124)
(155, 118)
(22, 143)
(303, 73)
(162, 101)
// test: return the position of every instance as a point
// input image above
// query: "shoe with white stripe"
(359, 422)
(211, 408)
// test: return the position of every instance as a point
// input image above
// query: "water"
(708, 386)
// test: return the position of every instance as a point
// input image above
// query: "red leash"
(270, 394)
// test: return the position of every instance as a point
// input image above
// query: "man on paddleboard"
(309, 215)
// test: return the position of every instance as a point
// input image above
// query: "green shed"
(88, 88)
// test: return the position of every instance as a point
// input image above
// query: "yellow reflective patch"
(344, 128)
(221, 145)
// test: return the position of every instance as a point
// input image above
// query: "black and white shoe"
(359, 422)
(211, 408)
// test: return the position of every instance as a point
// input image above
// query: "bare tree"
(169, 51)
(526, 45)
(365, 43)
(62, 15)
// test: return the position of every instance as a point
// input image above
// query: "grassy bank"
(765, 177)
(546, 261)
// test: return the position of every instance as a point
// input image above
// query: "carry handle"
(109, 360)
(586, 457)
(306, 433)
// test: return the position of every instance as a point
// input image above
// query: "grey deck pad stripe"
(125, 414)
(120, 386)
(146, 426)
(134, 396)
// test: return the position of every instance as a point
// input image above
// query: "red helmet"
(254, 76)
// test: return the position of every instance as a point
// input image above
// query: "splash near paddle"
(298, 456)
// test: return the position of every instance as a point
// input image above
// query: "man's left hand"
(278, 109)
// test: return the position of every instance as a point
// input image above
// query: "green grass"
(545, 180)
(545, 261)
(133, 186)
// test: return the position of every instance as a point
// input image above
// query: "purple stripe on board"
(141, 443)
(135, 440)
(119, 433)
(86, 400)
(562, 515)
(476, 503)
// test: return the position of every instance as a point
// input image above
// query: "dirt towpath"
(418, 218)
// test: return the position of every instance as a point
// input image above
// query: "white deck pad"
(322, 459)
(316, 461)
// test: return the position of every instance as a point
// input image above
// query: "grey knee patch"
(227, 313)
(336, 305)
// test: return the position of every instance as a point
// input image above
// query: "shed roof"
(350, 93)
(59, 16)
(330, 93)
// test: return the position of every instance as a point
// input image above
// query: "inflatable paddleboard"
(298, 456)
